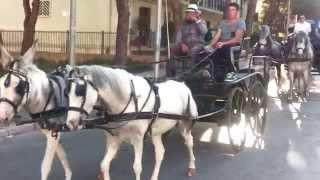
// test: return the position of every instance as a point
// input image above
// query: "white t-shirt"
(305, 27)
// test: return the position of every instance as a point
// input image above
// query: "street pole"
(158, 41)
(72, 30)
(288, 19)
(168, 34)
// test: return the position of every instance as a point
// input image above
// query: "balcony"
(213, 5)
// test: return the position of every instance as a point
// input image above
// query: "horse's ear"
(6, 58)
(28, 57)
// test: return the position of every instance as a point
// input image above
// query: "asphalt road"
(291, 151)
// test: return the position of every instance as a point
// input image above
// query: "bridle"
(300, 48)
(22, 89)
(80, 91)
(266, 39)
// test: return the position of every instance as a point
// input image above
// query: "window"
(44, 8)
(213, 4)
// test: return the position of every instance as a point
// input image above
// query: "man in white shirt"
(302, 25)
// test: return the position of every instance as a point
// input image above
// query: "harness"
(123, 116)
(42, 118)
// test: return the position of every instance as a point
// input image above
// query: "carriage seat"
(238, 54)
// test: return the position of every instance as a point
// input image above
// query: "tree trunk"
(252, 5)
(31, 17)
(271, 12)
(122, 32)
(176, 10)
(1, 40)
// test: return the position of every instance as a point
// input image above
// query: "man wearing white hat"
(190, 36)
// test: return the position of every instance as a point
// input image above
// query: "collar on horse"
(44, 116)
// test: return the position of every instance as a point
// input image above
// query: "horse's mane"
(102, 76)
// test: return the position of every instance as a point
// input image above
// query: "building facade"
(96, 16)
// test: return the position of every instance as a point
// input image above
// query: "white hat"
(192, 8)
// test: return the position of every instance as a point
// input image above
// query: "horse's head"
(264, 36)
(82, 97)
(301, 43)
(15, 84)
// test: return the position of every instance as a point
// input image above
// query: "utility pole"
(158, 40)
(288, 18)
(73, 31)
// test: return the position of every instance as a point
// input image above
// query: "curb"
(17, 130)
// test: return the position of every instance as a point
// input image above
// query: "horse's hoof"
(100, 176)
(191, 172)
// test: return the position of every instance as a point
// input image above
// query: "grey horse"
(299, 61)
(267, 46)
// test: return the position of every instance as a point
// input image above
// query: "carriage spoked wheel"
(257, 108)
(236, 121)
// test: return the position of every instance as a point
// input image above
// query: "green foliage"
(275, 14)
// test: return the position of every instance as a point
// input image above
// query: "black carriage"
(242, 100)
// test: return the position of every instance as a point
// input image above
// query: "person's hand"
(208, 48)
(194, 18)
(219, 45)
(184, 48)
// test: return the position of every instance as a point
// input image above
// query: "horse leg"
(64, 161)
(186, 134)
(159, 152)
(305, 82)
(291, 76)
(138, 150)
(278, 67)
(112, 146)
(52, 145)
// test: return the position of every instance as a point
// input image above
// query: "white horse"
(115, 87)
(30, 91)
(300, 59)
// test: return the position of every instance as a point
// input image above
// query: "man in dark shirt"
(229, 34)
(190, 36)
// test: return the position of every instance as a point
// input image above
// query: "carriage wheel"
(236, 121)
(257, 103)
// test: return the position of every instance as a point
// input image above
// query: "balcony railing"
(217, 5)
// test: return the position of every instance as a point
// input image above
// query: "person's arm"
(178, 37)
(202, 26)
(216, 38)
(309, 28)
(235, 40)
(295, 28)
